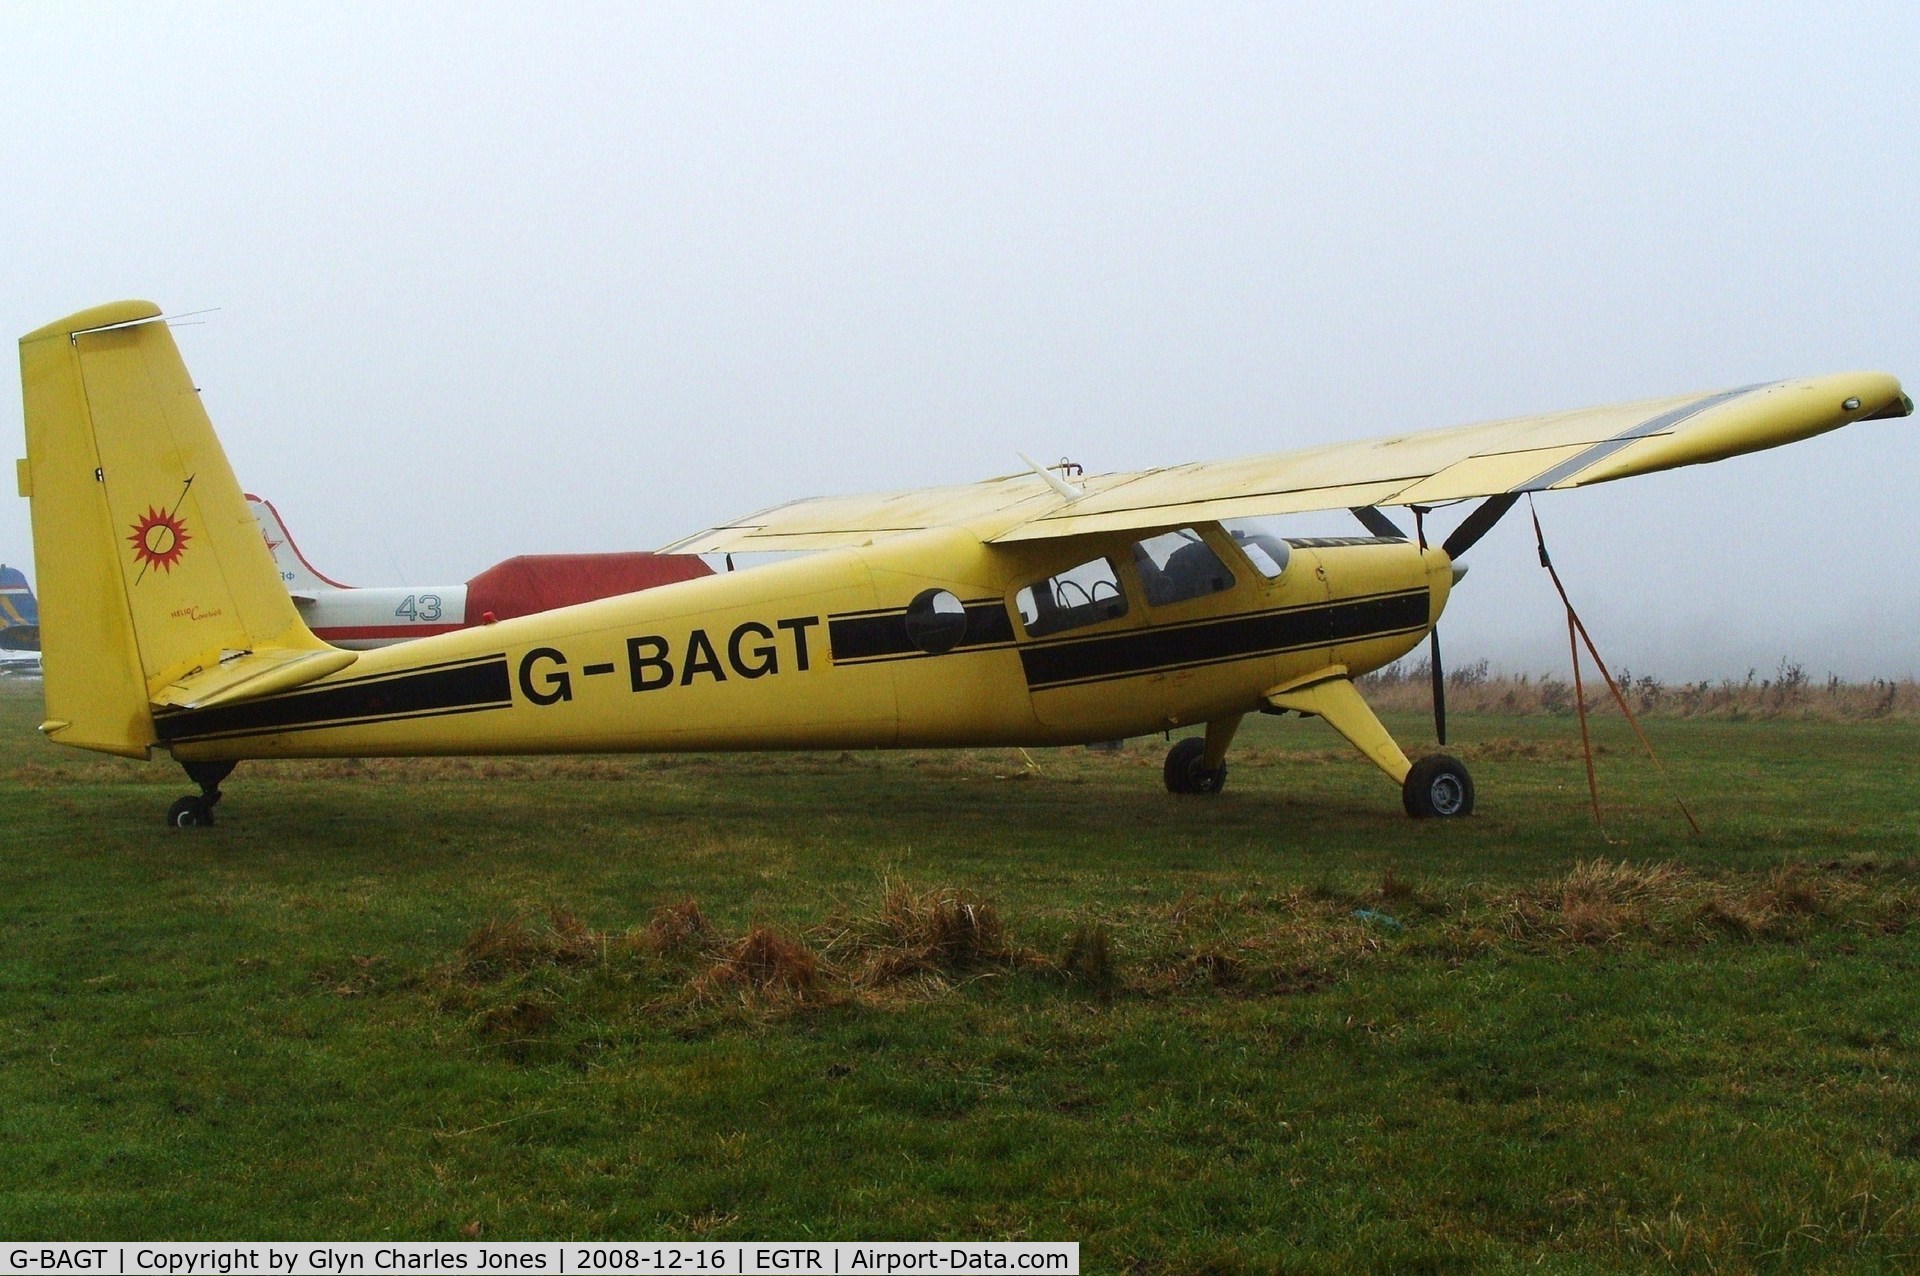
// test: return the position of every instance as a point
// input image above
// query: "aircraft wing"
(1525, 454)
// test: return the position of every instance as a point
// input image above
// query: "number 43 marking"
(419, 607)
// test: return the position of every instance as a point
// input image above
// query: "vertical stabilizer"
(296, 573)
(152, 572)
(19, 609)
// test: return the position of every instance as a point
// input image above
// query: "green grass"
(272, 1029)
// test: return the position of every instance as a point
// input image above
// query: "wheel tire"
(1185, 772)
(190, 813)
(1438, 787)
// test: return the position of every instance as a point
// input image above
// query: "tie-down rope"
(1576, 634)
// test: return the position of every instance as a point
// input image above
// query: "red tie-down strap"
(1577, 634)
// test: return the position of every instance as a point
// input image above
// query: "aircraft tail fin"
(156, 588)
(300, 576)
(19, 612)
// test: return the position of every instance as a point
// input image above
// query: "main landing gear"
(1435, 787)
(1197, 765)
(1187, 772)
(196, 810)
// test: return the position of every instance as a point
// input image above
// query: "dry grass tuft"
(1597, 902)
(1087, 960)
(762, 961)
(1622, 882)
(919, 932)
(680, 927)
(518, 1021)
(1738, 918)
(500, 947)
(1392, 888)
(953, 929)
(1215, 967)
(1794, 889)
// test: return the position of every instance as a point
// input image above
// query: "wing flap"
(1071, 523)
(830, 522)
(1478, 475)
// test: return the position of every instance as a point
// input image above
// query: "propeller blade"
(1439, 687)
(1478, 523)
(1379, 524)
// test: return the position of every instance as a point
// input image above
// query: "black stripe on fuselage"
(1141, 651)
(863, 636)
(457, 687)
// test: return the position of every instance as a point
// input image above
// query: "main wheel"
(193, 812)
(1186, 771)
(1438, 787)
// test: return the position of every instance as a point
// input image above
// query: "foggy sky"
(500, 280)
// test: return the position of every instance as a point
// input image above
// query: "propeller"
(1434, 669)
(1465, 536)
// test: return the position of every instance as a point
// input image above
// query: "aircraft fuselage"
(817, 652)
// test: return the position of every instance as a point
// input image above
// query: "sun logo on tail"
(159, 539)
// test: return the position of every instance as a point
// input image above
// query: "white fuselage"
(360, 619)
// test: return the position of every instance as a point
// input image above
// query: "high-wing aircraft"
(1024, 610)
(360, 619)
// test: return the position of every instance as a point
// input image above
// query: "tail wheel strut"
(196, 810)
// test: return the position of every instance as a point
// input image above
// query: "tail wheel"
(1186, 770)
(193, 812)
(1438, 787)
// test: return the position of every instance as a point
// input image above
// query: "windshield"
(1260, 540)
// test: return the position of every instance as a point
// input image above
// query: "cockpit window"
(1176, 566)
(1084, 595)
(1261, 542)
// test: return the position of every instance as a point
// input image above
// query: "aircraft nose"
(1459, 571)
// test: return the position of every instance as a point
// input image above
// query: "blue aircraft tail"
(19, 612)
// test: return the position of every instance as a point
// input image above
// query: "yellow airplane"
(1024, 610)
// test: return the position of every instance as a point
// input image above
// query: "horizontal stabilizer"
(251, 673)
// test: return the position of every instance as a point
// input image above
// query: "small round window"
(936, 622)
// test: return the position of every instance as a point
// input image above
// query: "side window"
(1084, 595)
(1176, 566)
(1263, 545)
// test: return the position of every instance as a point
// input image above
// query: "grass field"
(956, 995)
